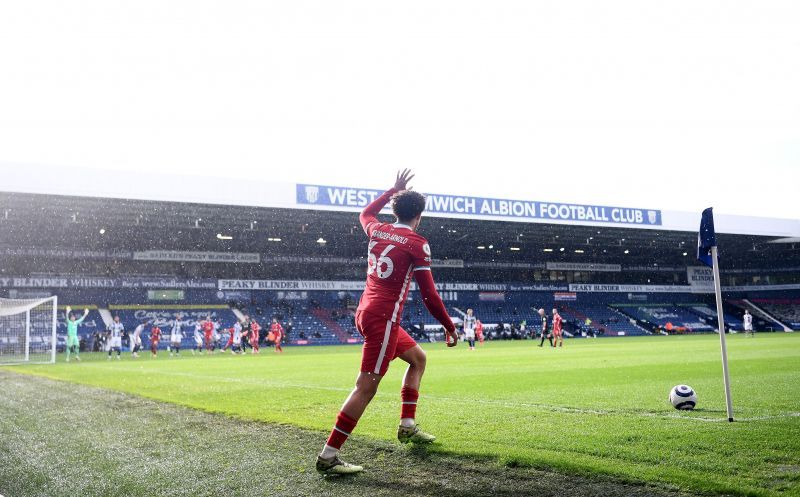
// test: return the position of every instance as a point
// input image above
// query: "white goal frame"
(14, 308)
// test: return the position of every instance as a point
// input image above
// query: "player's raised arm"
(433, 302)
(370, 213)
(85, 313)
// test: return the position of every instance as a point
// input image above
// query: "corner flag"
(706, 238)
(707, 254)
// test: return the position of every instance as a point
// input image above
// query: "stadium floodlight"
(322, 241)
(548, 250)
(481, 247)
(28, 330)
(578, 251)
(220, 236)
(627, 251)
(515, 249)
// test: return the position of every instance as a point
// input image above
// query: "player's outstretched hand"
(403, 177)
(86, 311)
(69, 309)
(451, 338)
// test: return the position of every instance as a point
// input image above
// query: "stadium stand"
(325, 317)
(669, 317)
(785, 310)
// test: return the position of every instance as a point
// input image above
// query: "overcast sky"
(635, 103)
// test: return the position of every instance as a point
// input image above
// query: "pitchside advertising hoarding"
(238, 288)
(487, 208)
(57, 282)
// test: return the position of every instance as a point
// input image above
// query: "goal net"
(28, 330)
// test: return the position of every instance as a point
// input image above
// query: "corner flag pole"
(707, 254)
(722, 344)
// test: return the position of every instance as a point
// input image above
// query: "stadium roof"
(220, 191)
(29, 220)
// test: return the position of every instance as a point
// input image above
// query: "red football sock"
(341, 430)
(409, 398)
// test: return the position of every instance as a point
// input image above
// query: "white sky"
(635, 103)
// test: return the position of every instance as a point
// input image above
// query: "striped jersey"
(470, 322)
(116, 329)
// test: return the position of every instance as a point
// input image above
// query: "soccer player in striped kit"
(198, 338)
(395, 252)
(136, 339)
(115, 340)
(470, 323)
(176, 336)
(747, 320)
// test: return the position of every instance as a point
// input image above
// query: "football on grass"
(682, 397)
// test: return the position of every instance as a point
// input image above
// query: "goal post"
(28, 330)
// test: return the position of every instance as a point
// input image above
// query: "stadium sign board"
(310, 285)
(485, 208)
(295, 285)
(187, 256)
(700, 278)
(231, 289)
(100, 282)
(565, 296)
(601, 288)
(38, 179)
(584, 266)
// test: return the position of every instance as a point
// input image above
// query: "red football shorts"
(383, 342)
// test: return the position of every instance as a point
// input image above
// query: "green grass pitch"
(596, 408)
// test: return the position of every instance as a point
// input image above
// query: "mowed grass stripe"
(271, 383)
(61, 439)
(597, 407)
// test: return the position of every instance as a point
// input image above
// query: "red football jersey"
(208, 327)
(557, 322)
(277, 330)
(394, 252)
(155, 334)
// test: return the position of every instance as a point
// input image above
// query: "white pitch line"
(500, 403)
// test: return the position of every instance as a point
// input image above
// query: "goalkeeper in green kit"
(72, 333)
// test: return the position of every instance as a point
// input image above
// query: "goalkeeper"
(72, 333)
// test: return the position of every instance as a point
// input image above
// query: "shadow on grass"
(432, 471)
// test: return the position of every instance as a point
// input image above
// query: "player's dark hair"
(407, 205)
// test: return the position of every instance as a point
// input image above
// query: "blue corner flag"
(706, 238)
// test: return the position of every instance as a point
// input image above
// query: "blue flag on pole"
(706, 238)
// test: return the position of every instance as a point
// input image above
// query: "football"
(682, 397)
